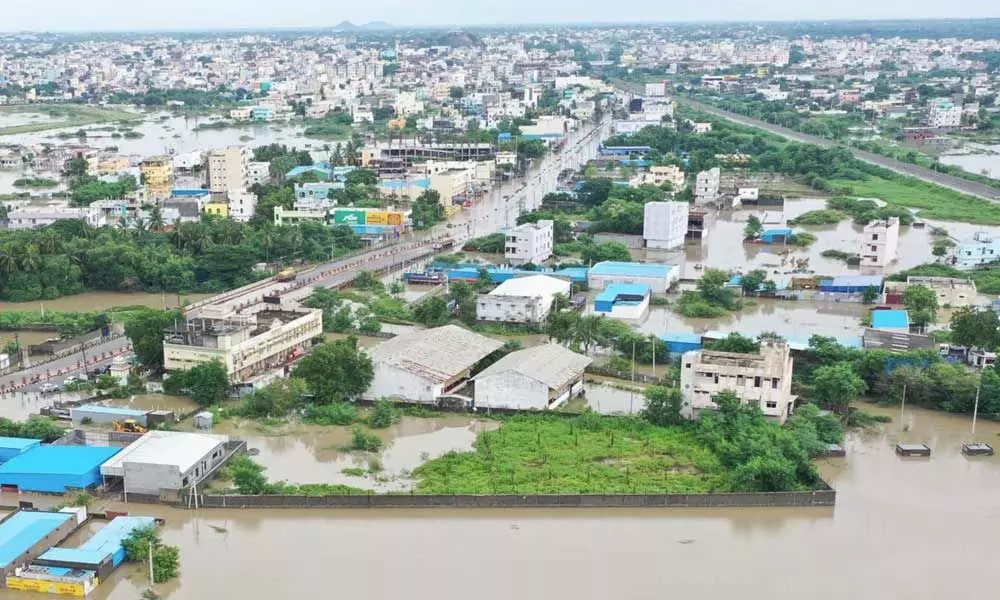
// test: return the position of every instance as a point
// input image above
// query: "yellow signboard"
(381, 217)
(46, 587)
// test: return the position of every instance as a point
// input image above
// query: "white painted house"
(521, 299)
(665, 224)
(537, 378)
(529, 243)
(423, 365)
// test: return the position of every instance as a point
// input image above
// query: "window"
(771, 404)
(874, 248)
(687, 365)
(756, 382)
(740, 380)
(874, 237)
(775, 382)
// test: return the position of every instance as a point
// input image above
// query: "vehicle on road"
(285, 275)
(48, 388)
(127, 426)
(74, 379)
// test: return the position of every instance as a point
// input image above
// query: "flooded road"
(902, 529)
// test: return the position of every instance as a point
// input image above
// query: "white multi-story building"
(529, 243)
(763, 379)
(880, 243)
(944, 113)
(258, 173)
(706, 188)
(665, 224)
(242, 206)
(228, 169)
(521, 300)
(982, 249)
(33, 217)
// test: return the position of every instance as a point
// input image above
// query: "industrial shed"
(26, 534)
(55, 469)
(536, 378)
(424, 365)
(11, 447)
(658, 277)
(166, 460)
(106, 414)
(678, 343)
(850, 284)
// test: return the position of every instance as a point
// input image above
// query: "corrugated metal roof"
(24, 529)
(177, 448)
(631, 269)
(59, 460)
(437, 354)
(104, 543)
(11, 443)
(551, 364)
(531, 286)
(108, 410)
(856, 281)
(614, 290)
(890, 319)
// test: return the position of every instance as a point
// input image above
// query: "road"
(56, 371)
(958, 184)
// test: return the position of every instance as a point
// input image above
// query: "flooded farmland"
(919, 529)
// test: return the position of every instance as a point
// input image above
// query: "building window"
(874, 237)
(687, 365)
(756, 382)
(740, 380)
(774, 383)
(771, 404)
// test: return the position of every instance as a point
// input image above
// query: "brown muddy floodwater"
(903, 529)
(722, 247)
(301, 453)
(105, 300)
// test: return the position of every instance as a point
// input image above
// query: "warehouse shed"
(679, 342)
(851, 284)
(11, 447)
(106, 414)
(170, 460)
(536, 378)
(55, 469)
(629, 301)
(26, 534)
(658, 277)
(105, 547)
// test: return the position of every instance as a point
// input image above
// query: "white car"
(48, 388)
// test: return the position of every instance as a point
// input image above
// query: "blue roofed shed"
(851, 284)
(11, 447)
(617, 293)
(679, 342)
(55, 469)
(23, 530)
(658, 277)
(106, 414)
(106, 542)
(891, 320)
(778, 235)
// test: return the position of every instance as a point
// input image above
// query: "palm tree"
(156, 222)
(589, 332)
(8, 263)
(29, 258)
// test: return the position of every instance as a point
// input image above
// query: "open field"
(63, 115)
(933, 201)
(588, 454)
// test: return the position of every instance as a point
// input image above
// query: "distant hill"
(374, 25)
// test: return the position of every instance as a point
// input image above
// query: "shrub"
(364, 441)
(383, 415)
(337, 413)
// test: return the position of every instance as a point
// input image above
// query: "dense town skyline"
(106, 15)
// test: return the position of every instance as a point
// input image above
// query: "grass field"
(586, 454)
(68, 115)
(933, 201)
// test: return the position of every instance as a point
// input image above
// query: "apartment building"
(453, 185)
(982, 249)
(763, 379)
(242, 206)
(529, 243)
(665, 224)
(228, 169)
(521, 299)
(706, 188)
(157, 175)
(247, 345)
(944, 113)
(880, 243)
(258, 173)
(671, 174)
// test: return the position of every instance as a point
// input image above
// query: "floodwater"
(722, 248)
(914, 529)
(987, 163)
(89, 301)
(179, 404)
(609, 397)
(312, 454)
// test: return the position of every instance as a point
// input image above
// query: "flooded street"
(914, 529)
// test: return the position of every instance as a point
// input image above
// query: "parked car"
(48, 388)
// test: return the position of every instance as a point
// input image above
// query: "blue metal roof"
(109, 410)
(630, 269)
(58, 460)
(682, 337)
(24, 529)
(614, 290)
(785, 231)
(856, 281)
(890, 319)
(10, 443)
(105, 542)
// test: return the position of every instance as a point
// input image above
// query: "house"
(422, 366)
(665, 224)
(951, 291)
(706, 187)
(982, 249)
(671, 174)
(658, 277)
(628, 301)
(165, 460)
(763, 379)
(880, 242)
(521, 299)
(537, 378)
(529, 243)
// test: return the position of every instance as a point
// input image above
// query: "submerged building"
(536, 378)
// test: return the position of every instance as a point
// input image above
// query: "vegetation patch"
(818, 217)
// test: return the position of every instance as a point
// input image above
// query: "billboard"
(349, 217)
(382, 217)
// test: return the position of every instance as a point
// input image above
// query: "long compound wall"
(826, 497)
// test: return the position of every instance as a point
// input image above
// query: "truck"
(285, 275)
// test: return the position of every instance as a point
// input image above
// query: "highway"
(958, 184)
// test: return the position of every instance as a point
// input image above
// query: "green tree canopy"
(336, 371)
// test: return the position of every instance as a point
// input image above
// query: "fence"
(825, 497)
(639, 377)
